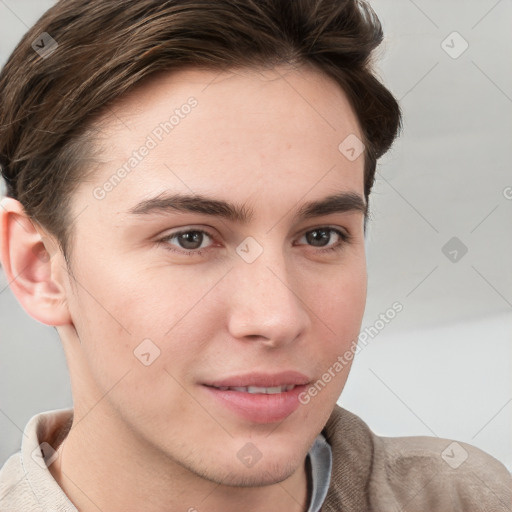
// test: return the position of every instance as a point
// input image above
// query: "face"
(210, 261)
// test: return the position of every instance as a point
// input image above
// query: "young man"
(188, 188)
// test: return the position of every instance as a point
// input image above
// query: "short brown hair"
(105, 47)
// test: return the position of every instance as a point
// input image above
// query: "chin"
(244, 465)
(261, 475)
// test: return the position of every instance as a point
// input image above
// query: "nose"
(266, 304)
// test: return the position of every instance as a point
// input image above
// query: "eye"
(325, 238)
(190, 241)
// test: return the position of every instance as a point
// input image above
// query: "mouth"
(256, 390)
(259, 398)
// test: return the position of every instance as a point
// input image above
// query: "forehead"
(249, 133)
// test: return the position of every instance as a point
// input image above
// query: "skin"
(265, 139)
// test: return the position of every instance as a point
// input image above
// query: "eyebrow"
(343, 202)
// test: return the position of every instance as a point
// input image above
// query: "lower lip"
(259, 408)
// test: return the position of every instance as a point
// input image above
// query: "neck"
(102, 466)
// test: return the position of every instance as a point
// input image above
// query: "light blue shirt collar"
(320, 457)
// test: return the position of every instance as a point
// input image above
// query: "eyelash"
(345, 239)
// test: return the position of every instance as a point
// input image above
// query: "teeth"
(266, 391)
(259, 390)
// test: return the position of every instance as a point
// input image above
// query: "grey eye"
(190, 240)
(319, 237)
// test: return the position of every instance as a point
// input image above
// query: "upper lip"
(264, 380)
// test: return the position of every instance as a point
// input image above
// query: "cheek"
(119, 299)
(339, 299)
(338, 305)
(121, 314)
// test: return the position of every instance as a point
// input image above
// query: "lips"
(258, 390)
(262, 380)
(258, 397)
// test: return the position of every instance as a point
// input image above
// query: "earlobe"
(30, 261)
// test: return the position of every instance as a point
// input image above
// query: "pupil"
(191, 239)
(318, 237)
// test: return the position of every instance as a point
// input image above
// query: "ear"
(33, 264)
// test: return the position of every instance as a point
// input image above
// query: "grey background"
(442, 367)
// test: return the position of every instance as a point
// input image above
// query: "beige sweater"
(369, 473)
(410, 474)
